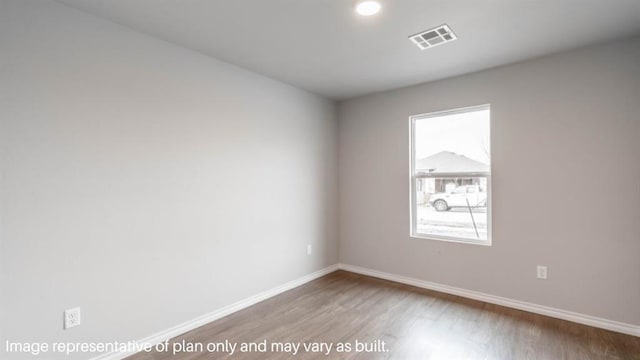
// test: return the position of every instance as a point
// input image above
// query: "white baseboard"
(220, 313)
(242, 304)
(616, 326)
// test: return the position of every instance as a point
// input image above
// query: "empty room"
(320, 179)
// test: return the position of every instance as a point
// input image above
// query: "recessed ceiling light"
(368, 7)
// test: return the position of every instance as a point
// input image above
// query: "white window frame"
(414, 177)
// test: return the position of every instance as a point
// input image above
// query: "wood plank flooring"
(414, 323)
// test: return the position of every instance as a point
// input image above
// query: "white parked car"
(462, 196)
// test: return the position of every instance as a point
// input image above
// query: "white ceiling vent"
(433, 37)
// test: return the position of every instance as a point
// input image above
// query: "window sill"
(451, 239)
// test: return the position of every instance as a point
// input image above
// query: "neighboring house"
(446, 162)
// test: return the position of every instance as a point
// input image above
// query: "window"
(451, 175)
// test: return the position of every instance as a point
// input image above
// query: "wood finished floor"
(415, 324)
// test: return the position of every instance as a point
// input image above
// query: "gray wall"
(147, 183)
(566, 175)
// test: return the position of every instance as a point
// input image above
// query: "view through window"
(451, 175)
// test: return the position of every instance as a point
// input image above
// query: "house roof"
(450, 162)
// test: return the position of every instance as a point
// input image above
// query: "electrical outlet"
(309, 249)
(542, 272)
(71, 318)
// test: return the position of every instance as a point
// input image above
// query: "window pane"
(443, 209)
(452, 166)
(453, 143)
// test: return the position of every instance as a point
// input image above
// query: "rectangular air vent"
(433, 37)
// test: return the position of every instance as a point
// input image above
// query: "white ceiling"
(323, 47)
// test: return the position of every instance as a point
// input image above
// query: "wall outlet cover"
(71, 318)
(542, 272)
